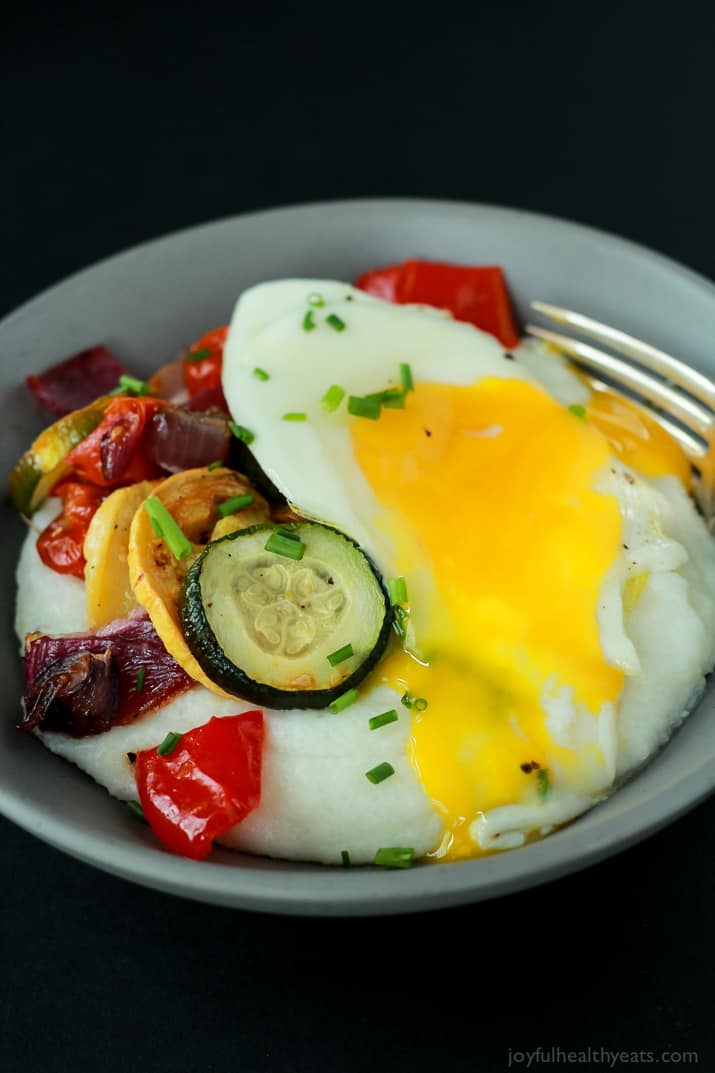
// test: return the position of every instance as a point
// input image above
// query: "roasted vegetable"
(76, 694)
(106, 550)
(44, 465)
(193, 499)
(286, 616)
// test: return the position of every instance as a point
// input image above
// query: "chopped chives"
(421, 704)
(383, 720)
(399, 622)
(242, 433)
(315, 299)
(397, 588)
(406, 376)
(289, 534)
(345, 858)
(131, 383)
(214, 465)
(360, 407)
(198, 355)
(543, 783)
(395, 857)
(295, 417)
(179, 546)
(139, 684)
(380, 772)
(136, 810)
(230, 506)
(332, 398)
(283, 544)
(577, 410)
(343, 701)
(407, 699)
(340, 655)
(261, 374)
(335, 322)
(392, 397)
(169, 743)
(309, 321)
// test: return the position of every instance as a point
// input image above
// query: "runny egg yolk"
(490, 499)
(637, 438)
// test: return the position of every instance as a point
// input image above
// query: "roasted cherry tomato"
(206, 784)
(112, 455)
(60, 544)
(476, 295)
(202, 364)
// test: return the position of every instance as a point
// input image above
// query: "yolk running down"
(490, 498)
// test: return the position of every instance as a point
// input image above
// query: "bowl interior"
(147, 303)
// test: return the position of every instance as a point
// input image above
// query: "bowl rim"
(341, 892)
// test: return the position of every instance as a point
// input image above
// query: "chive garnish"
(169, 743)
(131, 383)
(543, 783)
(235, 503)
(309, 321)
(136, 810)
(399, 622)
(332, 398)
(214, 465)
(380, 772)
(295, 417)
(335, 322)
(360, 407)
(289, 534)
(395, 857)
(167, 529)
(242, 433)
(383, 720)
(397, 588)
(139, 684)
(261, 374)
(286, 545)
(392, 397)
(345, 858)
(343, 701)
(198, 355)
(577, 410)
(315, 299)
(420, 704)
(340, 655)
(406, 376)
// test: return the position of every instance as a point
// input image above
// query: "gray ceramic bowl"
(146, 304)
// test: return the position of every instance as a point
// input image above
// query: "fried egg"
(561, 586)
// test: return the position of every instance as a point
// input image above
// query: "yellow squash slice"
(156, 576)
(106, 549)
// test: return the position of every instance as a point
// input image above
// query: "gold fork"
(681, 399)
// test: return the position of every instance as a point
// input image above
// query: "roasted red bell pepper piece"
(207, 784)
(202, 364)
(60, 545)
(112, 455)
(476, 295)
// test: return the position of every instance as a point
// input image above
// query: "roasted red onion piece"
(76, 694)
(75, 382)
(212, 398)
(148, 675)
(178, 439)
(118, 444)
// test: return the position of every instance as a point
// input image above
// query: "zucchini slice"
(263, 625)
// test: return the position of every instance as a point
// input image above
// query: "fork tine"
(692, 414)
(649, 356)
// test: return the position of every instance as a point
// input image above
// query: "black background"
(118, 129)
